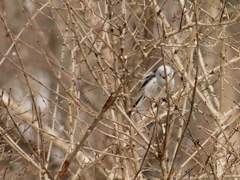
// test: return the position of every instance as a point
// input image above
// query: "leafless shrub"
(71, 71)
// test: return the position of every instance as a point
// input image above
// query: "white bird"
(154, 82)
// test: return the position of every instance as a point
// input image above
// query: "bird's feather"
(146, 80)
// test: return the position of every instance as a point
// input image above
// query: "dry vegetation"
(71, 71)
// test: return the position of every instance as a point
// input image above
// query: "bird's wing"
(146, 79)
(139, 101)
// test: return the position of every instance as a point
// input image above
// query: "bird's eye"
(162, 76)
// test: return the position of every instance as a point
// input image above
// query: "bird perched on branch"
(154, 82)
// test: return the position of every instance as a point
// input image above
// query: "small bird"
(154, 82)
